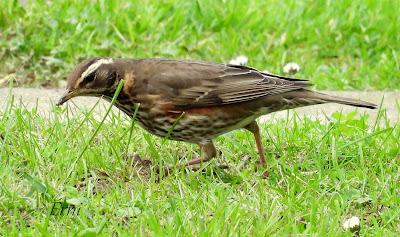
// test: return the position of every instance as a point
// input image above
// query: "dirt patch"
(97, 182)
(142, 167)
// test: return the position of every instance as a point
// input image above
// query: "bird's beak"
(65, 97)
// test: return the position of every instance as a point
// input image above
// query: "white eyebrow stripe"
(95, 65)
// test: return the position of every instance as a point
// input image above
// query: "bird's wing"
(190, 85)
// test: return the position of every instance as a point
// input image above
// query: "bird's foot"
(263, 165)
(265, 174)
(198, 167)
(246, 160)
(144, 168)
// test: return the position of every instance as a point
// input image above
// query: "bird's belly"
(192, 127)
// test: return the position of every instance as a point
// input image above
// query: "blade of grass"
(131, 128)
(172, 128)
(366, 137)
(114, 99)
(76, 129)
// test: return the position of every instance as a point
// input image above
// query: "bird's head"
(92, 77)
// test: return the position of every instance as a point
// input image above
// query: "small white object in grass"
(291, 68)
(352, 224)
(239, 60)
(332, 23)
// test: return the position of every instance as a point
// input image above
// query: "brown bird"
(194, 101)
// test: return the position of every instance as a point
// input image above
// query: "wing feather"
(190, 84)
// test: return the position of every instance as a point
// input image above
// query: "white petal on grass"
(233, 62)
(291, 68)
(239, 60)
(352, 224)
(242, 60)
(332, 23)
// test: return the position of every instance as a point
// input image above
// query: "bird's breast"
(191, 126)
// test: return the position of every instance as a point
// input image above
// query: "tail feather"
(340, 100)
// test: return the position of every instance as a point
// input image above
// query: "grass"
(320, 175)
(340, 45)
(63, 173)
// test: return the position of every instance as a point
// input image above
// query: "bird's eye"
(90, 77)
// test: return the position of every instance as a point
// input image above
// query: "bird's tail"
(324, 98)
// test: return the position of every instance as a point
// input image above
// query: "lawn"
(320, 175)
(65, 173)
(340, 45)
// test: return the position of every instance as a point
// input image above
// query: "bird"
(194, 101)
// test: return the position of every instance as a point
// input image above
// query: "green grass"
(320, 175)
(64, 174)
(339, 44)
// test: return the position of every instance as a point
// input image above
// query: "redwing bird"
(194, 101)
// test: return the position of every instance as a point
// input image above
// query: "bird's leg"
(208, 152)
(253, 127)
